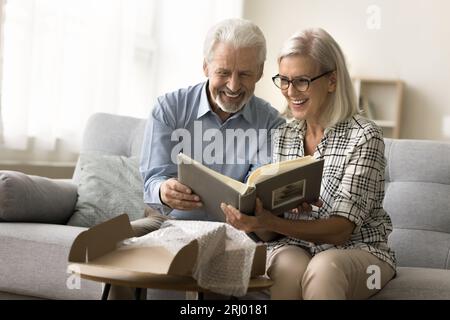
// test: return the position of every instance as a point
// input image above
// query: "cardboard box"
(96, 255)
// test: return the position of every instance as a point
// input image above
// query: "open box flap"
(100, 246)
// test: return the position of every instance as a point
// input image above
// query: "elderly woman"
(335, 248)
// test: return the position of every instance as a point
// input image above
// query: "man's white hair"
(239, 33)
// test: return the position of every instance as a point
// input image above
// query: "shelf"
(380, 100)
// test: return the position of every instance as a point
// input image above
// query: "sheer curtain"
(66, 59)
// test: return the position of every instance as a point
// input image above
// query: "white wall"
(162, 55)
(181, 29)
(412, 44)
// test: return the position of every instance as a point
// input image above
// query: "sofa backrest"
(111, 134)
(418, 200)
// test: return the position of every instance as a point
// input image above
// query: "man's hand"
(178, 196)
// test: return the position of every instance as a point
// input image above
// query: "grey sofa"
(33, 256)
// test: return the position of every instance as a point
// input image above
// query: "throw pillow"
(108, 186)
(25, 198)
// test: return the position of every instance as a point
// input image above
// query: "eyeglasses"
(300, 84)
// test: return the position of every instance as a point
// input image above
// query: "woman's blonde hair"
(323, 49)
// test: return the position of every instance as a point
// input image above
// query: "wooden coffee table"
(142, 281)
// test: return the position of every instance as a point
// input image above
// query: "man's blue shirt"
(182, 121)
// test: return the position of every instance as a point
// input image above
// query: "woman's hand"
(245, 222)
(305, 207)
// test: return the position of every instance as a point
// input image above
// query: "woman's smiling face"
(309, 104)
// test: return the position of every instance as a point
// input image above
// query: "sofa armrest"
(26, 198)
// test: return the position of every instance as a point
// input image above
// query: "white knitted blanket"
(225, 254)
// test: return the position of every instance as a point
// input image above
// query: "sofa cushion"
(34, 262)
(113, 134)
(418, 205)
(35, 199)
(417, 161)
(421, 248)
(417, 283)
(108, 185)
(416, 198)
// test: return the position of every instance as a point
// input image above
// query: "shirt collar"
(299, 126)
(246, 111)
(204, 106)
(338, 129)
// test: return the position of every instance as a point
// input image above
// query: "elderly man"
(205, 121)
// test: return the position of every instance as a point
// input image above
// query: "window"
(66, 59)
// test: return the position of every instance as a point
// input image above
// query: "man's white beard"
(231, 108)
